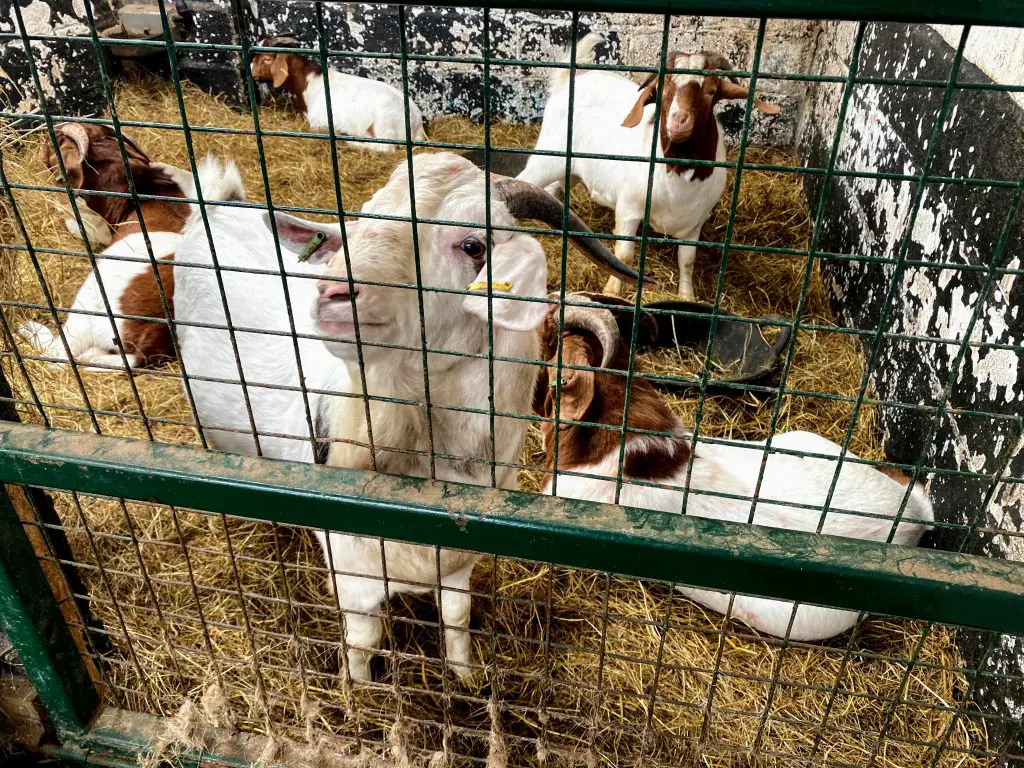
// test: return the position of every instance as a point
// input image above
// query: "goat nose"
(335, 290)
(681, 122)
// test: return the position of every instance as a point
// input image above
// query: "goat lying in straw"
(382, 299)
(359, 106)
(125, 271)
(864, 505)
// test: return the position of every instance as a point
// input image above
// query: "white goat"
(359, 106)
(381, 251)
(92, 160)
(610, 118)
(863, 506)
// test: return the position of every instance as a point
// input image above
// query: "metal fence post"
(35, 625)
(33, 620)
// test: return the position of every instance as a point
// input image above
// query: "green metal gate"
(66, 651)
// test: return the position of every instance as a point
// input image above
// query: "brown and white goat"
(863, 506)
(611, 118)
(359, 106)
(93, 162)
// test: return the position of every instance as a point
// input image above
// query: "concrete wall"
(68, 71)
(518, 94)
(887, 129)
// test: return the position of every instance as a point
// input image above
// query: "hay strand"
(864, 685)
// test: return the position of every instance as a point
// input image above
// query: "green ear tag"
(312, 246)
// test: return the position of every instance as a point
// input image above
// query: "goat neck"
(300, 71)
(702, 145)
(159, 215)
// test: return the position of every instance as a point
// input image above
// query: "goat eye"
(473, 248)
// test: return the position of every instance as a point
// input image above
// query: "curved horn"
(78, 135)
(594, 319)
(281, 41)
(528, 201)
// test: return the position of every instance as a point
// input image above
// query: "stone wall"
(943, 297)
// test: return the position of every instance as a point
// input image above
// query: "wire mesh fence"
(417, 362)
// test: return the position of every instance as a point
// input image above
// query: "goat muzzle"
(680, 127)
(528, 201)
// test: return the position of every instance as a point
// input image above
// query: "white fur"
(787, 478)
(447, 187)
(679, 204)
(91, 337)
(89, 330)
(357, 103)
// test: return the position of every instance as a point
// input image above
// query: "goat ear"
(727, 89)
(279, 69)
(518, 269)
(647, 90)
(541, 391)
(295, 234)
(577, 386)
(73, 161)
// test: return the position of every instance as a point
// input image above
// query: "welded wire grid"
(571, 666)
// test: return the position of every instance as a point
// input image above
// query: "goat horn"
(528, 201)
(281, 41)
(78, 135)
(595, 319)
(718, 61)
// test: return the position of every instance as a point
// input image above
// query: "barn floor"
(571, 655)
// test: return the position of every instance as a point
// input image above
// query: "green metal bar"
(844, 573)
(990, 12)
(35, 625)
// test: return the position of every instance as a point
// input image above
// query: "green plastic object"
(312, 246)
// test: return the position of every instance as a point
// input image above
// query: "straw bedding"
(548, 636)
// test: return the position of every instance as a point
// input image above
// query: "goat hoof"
(463, 672)
(359, 667)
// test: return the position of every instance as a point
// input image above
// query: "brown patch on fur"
(285, 70)
(697, 100)
(600, 398)
(158, 215)
(103, 171)
(150, 340)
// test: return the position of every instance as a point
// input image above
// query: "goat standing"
(609, 118)
(383, 261)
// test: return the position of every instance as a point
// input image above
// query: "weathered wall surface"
(439, 87)
(945, 296)
(68, 71)
(517, 93)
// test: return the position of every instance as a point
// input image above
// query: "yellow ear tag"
(497, 285)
